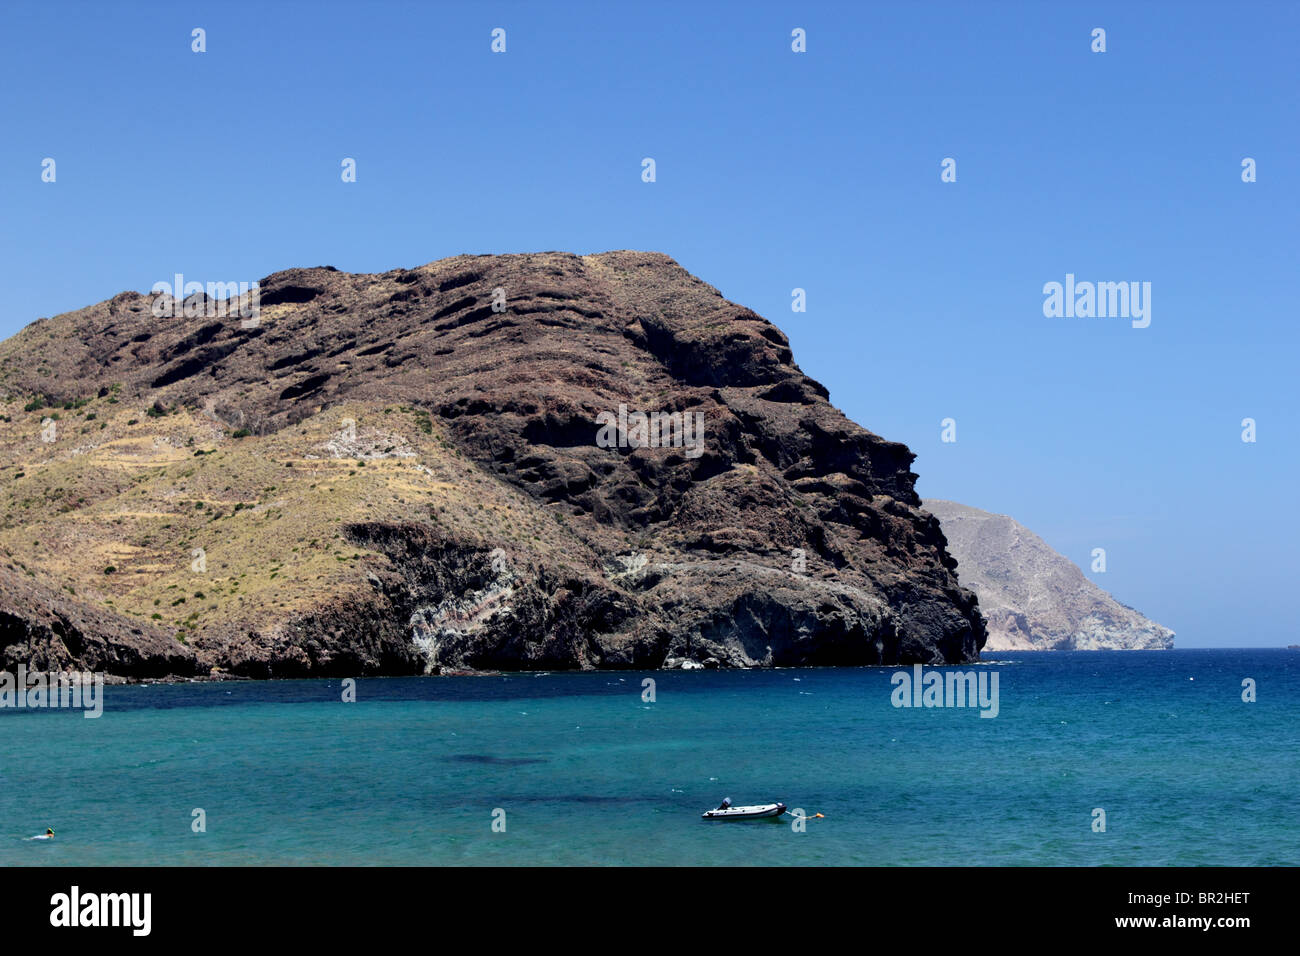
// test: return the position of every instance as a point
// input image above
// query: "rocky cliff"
(1034, 598)
(443, 467)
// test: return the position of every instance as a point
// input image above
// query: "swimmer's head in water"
(49, 832)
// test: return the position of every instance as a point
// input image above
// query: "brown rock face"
(437, 429)
(49, 631)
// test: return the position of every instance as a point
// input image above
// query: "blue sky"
(775, 170)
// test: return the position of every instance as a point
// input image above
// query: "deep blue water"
(587, 773)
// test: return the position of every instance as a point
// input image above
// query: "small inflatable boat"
(745, 813)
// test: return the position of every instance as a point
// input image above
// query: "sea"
(1163, 758)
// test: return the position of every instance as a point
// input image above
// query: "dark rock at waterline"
(49, 631)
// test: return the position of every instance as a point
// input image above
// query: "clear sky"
(775, 170)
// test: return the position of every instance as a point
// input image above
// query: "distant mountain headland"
(1032, 597)
(492, 462)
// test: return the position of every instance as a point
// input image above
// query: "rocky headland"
(1033, 597)
(399, 473)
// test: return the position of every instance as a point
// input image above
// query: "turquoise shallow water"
(587, 773)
